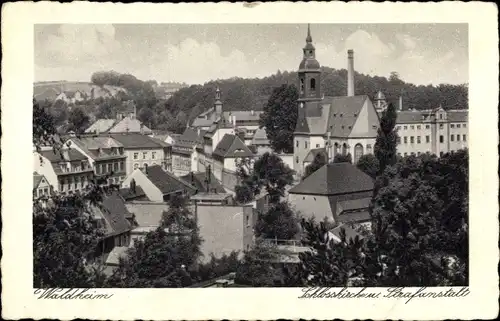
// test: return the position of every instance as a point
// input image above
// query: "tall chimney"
(401, 102)
(350, 72)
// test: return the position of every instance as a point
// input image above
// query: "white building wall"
(151, 191)
(44, 167)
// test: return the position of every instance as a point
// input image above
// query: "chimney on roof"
(350, 72)
(400, 107)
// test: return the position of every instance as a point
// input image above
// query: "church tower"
(309, 73)
(218, 103)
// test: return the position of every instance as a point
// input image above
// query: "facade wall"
(138, 157)
(308, 206)
(229, 179)
(151, 191)
(181, 164)
(367, 144)
(224, 229)
(44, 167)
(43, 189)
(262, 149)
(287, 159)
(430, 134)
(320, 206)
(301, 147)
(217, 168)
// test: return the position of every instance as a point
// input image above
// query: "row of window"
(110, 167)
(428, 139)
(42, 192)
(441, 126)
(419, 153)
(144, 155)
(452, 138)
(72, 184)
(136, 165)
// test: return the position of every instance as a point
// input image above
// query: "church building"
(340, 125)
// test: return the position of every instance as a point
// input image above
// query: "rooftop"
(136, 140)
(166, 182)
(232, 146)
(332, 179)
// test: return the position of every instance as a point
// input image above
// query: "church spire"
(309, 38)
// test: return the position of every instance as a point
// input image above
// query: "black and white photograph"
(319, 155)
(331, 159)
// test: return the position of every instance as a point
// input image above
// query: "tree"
(279, 222)
(43, 126)
(64, 241)
(419, 234)
(167, 257)
(218, 267)
(369, 165)
(78, 120)
(268, 172)
(386, 142)
(280, 116)
(257, 270)
(146, 116)
(341, 158)
(318, 162)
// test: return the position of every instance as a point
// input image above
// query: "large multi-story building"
(342, 125)
(141, 150)
(105, 154)
(435, 131)
(67, 170)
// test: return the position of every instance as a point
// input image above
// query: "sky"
(196, 53)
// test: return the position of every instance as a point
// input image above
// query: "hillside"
(49, 90)
(247, 94)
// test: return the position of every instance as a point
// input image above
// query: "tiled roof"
(458, 115)
(332, 179)
(190, 137)
(336, 115)
(198, 180)
(97, 147)
(129, 125)
(260, 137)
(136, 140)
(166, 182)
(313, 152)
(114, 211)
(37, 178)
(344, 112)
(101, 126)
(353, 217)
(244, 115)
(63, 155)
(356, 204)
(232, 146)
(128, 194)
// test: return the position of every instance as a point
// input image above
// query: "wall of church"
(301, 148)
(317, 142)
(367, 144)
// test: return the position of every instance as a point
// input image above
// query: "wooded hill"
(247, 94)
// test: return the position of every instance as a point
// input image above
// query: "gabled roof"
(129, 125)
(37, 178)
(64, 155)
(333, 179)
(260, 137)
(101, 126)
(128, 194)
(232, 146)
(344, 112)
(244, 115)
(114, 211)
(166, 182)
(313, 152)
(350, 233)
(336, 115)
(190, 137)
(458, 115)
(198, 180)
(97, 147)
(136, 140)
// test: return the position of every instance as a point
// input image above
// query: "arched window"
(336, 149)
(358, 152)
(301, 85)
(344, 149)
(313, 84)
